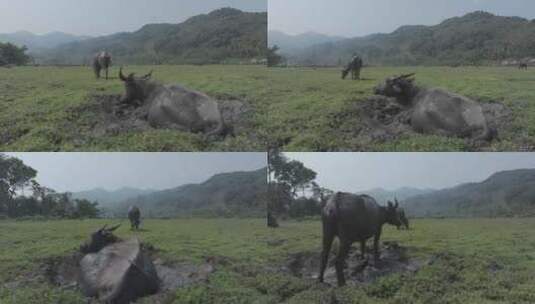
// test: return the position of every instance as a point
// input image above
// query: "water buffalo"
(523, 66)
(272, 220)
(353, 218)
(101, 61)
(404, 221)
(354, 67)
(173, 106)
(437, 111)
(134, 215)
(116, 271)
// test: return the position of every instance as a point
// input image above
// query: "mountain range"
(475, 38)
(38, 43)
(224, 35)
(289, 44)
(226, 194)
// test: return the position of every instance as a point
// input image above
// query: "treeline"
(11, 54)
(16, 178)
(293, 190)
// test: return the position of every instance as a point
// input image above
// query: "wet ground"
(394, 259)
(380, 119)
(63, 272)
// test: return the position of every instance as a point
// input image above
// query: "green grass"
(303, 101)
(471, 247)
(26, 244)
(37, 105)
(486, 261)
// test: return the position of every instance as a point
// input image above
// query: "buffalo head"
(400, 87)
(391, 214)
(100, 239)
(136, 88)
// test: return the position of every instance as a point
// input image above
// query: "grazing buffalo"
(101, 61)
(116, 271)
(437, 111)
(173, 106)
(523, 66)
(353, 218)
(404, 221)
(354, 67)
(134, 215)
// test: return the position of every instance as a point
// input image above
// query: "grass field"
(476, 261)
(304, 100)
(38, 105)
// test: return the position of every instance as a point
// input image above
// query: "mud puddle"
(106, 115)
(63, 272)
(394, 259)
(380, 119)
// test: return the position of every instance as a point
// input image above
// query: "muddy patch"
(379, 119)
(63, 272)
(106, 115)
(394, 259)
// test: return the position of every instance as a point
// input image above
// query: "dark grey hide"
(353, 218)
(437, 111)
(134, 215)
(173, 106)
(119, 272)
(101, 61)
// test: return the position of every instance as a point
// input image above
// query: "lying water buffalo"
(101, 61)
(173, 106)
(134, 215)
(436, 111)
(353, 218)
(116, 271)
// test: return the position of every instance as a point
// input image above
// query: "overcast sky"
(353, 18)
(99, 17)
(355, 172)
(75, 172)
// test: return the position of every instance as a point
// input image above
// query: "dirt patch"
(379, 119)
(106, 115)
(394, 259)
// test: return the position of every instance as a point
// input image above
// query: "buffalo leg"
(106, 73)
(340, 261)
(376, 246)
(327, 243)
(363, 249)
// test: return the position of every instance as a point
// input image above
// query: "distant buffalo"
(354, 67)
(353, 218)
(523, 66)
(173, 106)
(437, 111)
(101, 61)
(134, 215)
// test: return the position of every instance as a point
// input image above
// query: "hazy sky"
(354, 172)
(99, 17)
(353, 18)
(83, 171)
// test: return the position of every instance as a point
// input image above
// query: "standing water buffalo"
(437, 111)
(134, 215)
(116, 271)
(173, 106)
(101, 61)
(353, 218)
(523, 66)
(354, 67)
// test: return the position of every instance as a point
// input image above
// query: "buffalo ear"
(121, 76)
(114, 228)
